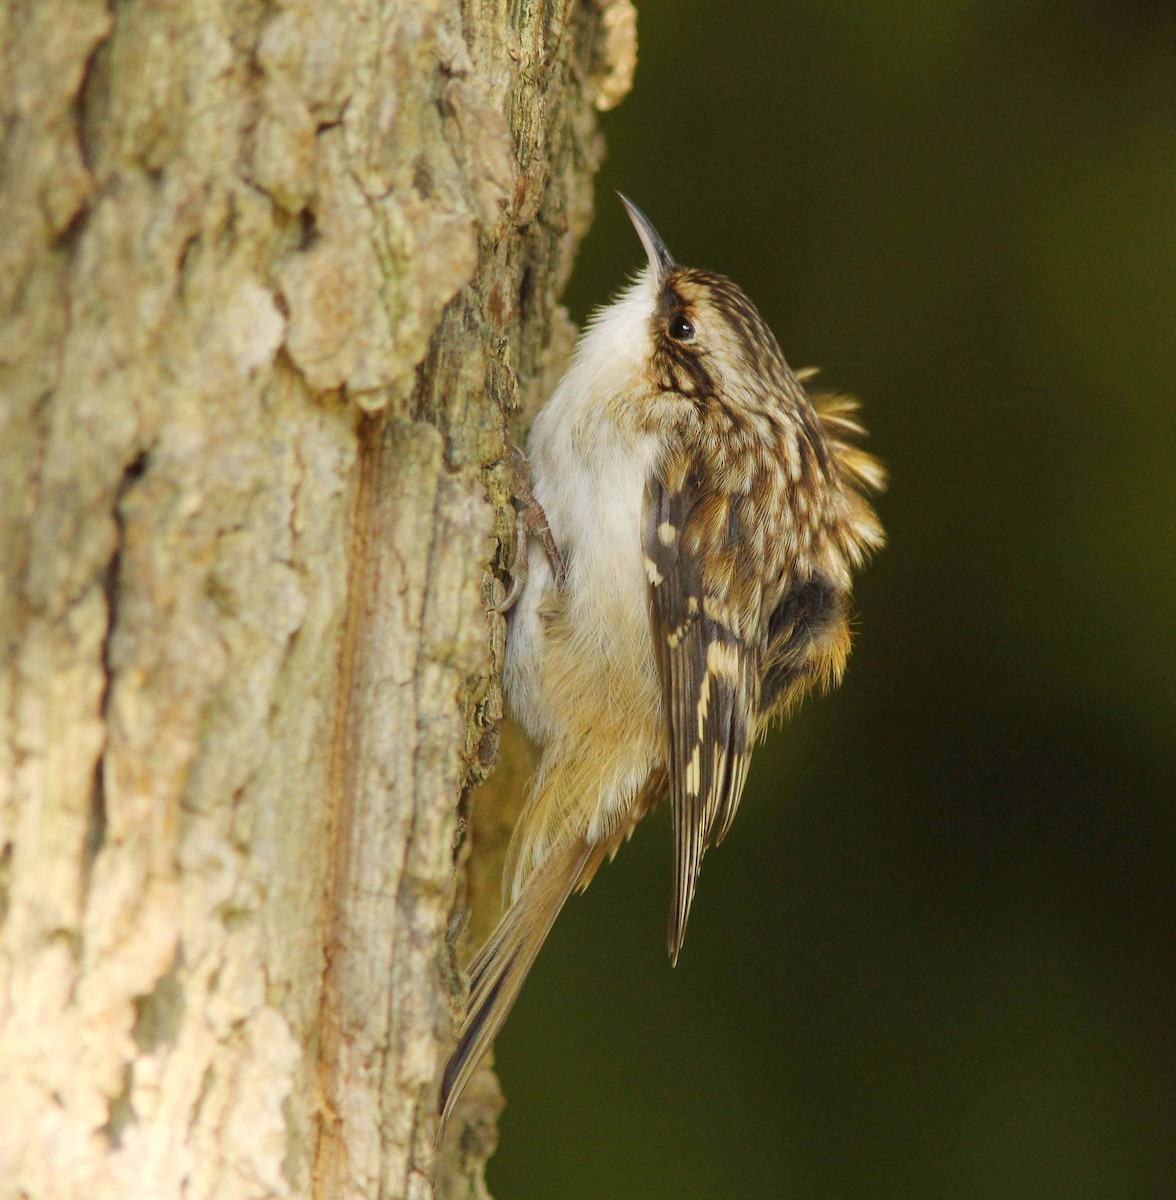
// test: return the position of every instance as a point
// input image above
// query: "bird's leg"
(530, 521)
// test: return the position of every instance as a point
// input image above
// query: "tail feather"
(497, 973)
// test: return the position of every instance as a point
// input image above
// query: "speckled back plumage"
(753, 519)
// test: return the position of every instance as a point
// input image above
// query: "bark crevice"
(96, 827)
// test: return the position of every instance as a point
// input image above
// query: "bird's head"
(693, 332)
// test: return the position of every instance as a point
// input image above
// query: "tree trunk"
(270, 274)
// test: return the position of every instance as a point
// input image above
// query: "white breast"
(589, 473)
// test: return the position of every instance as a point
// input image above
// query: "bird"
(702, 518)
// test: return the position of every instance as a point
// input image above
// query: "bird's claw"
(530, 521)
(518, 569)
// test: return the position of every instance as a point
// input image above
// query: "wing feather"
(709, 668)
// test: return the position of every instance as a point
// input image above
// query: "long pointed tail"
(497, 974)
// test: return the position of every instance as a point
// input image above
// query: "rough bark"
(270, 275)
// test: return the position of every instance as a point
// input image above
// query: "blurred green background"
(935, 957)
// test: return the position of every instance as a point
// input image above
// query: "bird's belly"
(581, 674)
(597, 516)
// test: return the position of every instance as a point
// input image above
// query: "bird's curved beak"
(660, 259)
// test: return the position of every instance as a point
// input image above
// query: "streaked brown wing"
(707, 645)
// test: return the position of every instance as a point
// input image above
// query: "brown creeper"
(709, 515)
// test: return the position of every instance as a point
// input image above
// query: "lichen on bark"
(271, 276)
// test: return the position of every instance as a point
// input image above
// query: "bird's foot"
(530, 521)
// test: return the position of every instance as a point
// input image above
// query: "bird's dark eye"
(680, 329)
